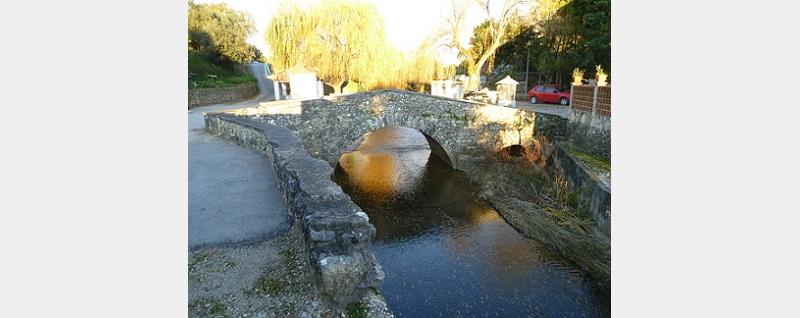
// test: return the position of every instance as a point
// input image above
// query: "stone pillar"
(594, 105)
(276, 87)
(571, 94)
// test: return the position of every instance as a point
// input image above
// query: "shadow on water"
(447, 254)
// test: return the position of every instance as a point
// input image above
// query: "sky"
(407, 22)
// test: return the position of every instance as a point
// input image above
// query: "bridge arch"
(435, 147)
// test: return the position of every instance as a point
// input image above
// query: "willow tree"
(498, 30)
(423, 66)
(339, 40)
(347, 42)
(286, 35)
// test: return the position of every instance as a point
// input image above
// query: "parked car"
(548, 94)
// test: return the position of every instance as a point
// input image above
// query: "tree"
(286, 35)
(565, 34)
(591, 20)
(344, 41)
(497, 31)
(222, 31)
(348, 42)
(339, 40)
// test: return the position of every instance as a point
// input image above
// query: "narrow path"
(233, 193)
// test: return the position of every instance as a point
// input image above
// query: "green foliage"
(357, 310)
(483, 36)
(566, 34)
(592, 26)
(488, 36)
(218, 30)
(221, 75)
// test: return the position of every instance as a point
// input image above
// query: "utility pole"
(527, 65)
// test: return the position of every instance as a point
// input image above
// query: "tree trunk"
(474, 81)
(337, 87)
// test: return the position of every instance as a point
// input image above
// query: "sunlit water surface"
(444, 253)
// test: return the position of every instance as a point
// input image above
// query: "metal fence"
(591, 98)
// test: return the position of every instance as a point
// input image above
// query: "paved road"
(554, 109)
(233, 194)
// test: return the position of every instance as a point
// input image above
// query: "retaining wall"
(591, 133)
(594, 195)
(208, 96)
(337, 232)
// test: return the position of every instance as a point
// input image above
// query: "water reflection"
(446, 254)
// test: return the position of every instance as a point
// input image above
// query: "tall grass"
(525, 173)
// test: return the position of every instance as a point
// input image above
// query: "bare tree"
(498, 33)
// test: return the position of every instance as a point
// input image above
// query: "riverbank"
(534, 199)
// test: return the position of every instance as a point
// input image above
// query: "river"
(446, 254)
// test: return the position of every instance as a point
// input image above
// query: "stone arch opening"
(513, 151)
(435, 147)
(437, 150)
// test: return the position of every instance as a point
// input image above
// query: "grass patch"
(268, 286)
(222, 81)
(208, 306)
(288, 278)
(357, 310)
(197, 259)
(293, 262)
(377, 291)
(587, 158)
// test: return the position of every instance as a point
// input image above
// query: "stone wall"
(593, 194)
(465, 130)
(337, 232)
(208, 96)
(591, 133)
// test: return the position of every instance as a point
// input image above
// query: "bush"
(200, 68)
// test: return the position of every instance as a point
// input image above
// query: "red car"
(548, 94)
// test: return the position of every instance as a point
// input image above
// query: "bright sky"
(407, 22)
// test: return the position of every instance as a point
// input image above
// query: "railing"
(591, 98)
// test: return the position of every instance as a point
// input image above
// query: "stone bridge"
(303, 141)
(460, 132)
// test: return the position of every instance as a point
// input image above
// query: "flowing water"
(444, 253)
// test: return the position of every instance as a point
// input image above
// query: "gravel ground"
(263, 280)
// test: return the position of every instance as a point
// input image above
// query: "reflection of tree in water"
(401, 210)
(405, 189)
(438, 200)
